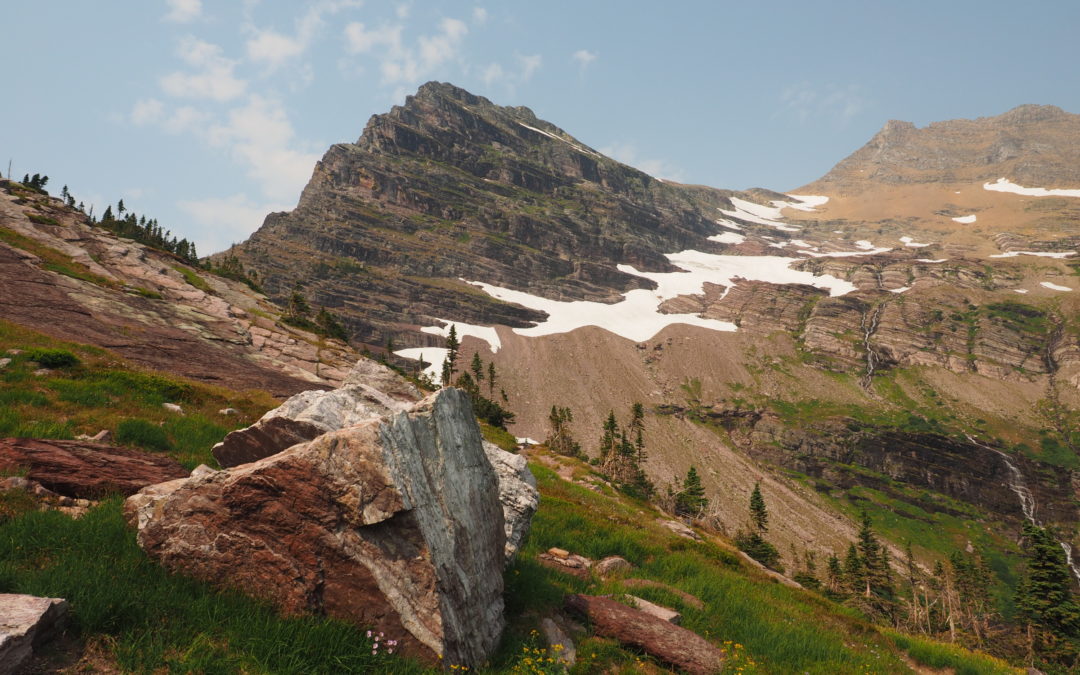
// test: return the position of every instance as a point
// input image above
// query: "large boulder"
(372, 390)
(83, 469)
(393, 523)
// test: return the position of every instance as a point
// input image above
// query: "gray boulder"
(26, 623)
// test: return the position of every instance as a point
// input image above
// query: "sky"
(209, 114)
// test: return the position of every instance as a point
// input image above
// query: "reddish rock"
(390, 523)
(665, 641)
(86, 470)
(265, 438)
(690, 600)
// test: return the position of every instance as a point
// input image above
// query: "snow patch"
(900, 290)
(728, 223)
(966, 220)
(551, 135)
(864, 245)
(1054, 287)
(728, 238)
(1042, 254)
(756, 213)
(485, 333)
(806, 202)
(908, 241)
(1006, 185)
(637, 316)
(928, 260)
(432, 355)
(526, 441)
(1020, 290)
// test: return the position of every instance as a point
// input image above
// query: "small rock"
(13, 352)
(42, 372)
(690, 600)
(103, 436)
(613, 564)
(559, 643)
(559, 553)
(172, 407)
(27, 622)
(680, 529)
(660, 612)
(228, 411)
(4, 362)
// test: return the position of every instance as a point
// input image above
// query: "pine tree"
(120, 209)
(758, 513)
(560, 440)
(452, 346)
(691, 500)
(1044, 598)
(491, 379)
(477, 368)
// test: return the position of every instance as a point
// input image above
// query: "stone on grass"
(26, 624)
(560, 646)
(172, 407)
(613, 564)
(660, 612)
(665, 641)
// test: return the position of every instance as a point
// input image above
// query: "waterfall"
(1027, 500)
(869, 328)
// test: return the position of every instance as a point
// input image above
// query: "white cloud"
(358, 39)
(479, 15)
(584, 57)
(214, 78)
(530, 63)
(401, 64)
(183, 11)
(805, 101)
(627, 153)
(224, 221)
(403, 10)
(491, 74)
(260, 136)
(147, 111)
(273, 49)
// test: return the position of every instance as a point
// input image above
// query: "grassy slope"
(146, 619)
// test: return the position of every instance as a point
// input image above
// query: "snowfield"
(1006, 185)
(1042, 254)
(1054, 287)
(966, 220)
(485, 333)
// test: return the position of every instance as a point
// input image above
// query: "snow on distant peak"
(559, 138)
(928, 260)
(637, 317)
(756, 213)
(1054, 287)
(728, 238)
(966, 220)
(1006, 185)
(804, 202)
(1041, 254)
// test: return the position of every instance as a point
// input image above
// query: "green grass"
(54, 260)
(192, 278)
(940, 655)
(104, 392)
(159, 622)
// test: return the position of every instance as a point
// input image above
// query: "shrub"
(142, 434)
(755, 546)
(53, 358)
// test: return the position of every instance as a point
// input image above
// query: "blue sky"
(208, 114)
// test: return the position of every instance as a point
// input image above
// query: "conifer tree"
(560, 440)
(491, 379)
(1044, 598)
(452, 346)
(691, 500)
(477, 368)
(758, 513)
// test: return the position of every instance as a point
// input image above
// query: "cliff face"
(451, 186)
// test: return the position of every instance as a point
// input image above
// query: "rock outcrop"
(393, 522)
(372, 390)
(27, 623)
(86, 470)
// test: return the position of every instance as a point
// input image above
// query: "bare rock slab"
(392, 522)
(667, 642)
(84, 469)
(659, 611)
(26, 623)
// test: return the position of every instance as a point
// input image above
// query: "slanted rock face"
(27, 622)
(392, 523)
